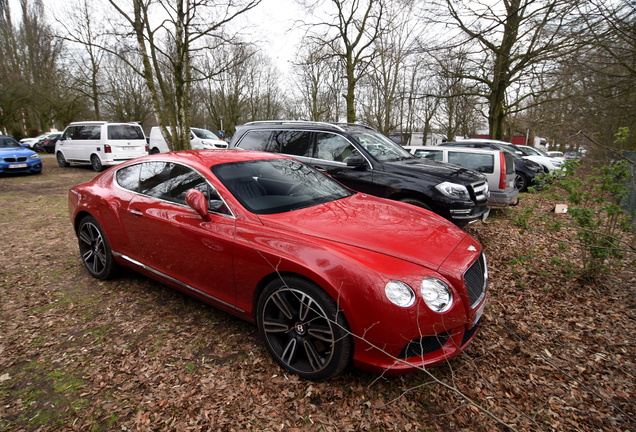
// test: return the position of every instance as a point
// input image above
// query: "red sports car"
(327, 274)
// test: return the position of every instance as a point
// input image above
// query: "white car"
(100, 144)
(199, 139)
(542, 158)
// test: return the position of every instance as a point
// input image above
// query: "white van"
(498, 166)
(100, 144)
(199, 139)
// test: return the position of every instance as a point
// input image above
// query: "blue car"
(14, 158)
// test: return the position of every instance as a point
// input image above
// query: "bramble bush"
(595, 208)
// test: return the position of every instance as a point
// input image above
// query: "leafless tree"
(80, 25)
(351, 30)
(171, 36)
(513, 44)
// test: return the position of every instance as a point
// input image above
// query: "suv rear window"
(259, 141)
(125, 132)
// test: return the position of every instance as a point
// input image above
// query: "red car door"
(171, 239)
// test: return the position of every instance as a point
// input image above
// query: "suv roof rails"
(338, 126)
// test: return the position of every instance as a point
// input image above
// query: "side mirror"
(356, 161)
(199, 203)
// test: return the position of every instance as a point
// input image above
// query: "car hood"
(441, 171)
(362, 221)
(16, 151)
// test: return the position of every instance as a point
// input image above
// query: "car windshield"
(8, 142)
(204, 134)
(381, 147)
(278, 185)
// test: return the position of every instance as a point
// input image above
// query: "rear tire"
(95, 249)
(61, 160)
(96, 163)
(521, 182)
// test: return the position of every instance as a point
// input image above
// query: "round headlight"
(399, 293)
(436, 294)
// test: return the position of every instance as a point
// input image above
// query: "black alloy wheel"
(303, 328)
(95, 249)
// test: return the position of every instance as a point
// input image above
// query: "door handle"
(136, 212)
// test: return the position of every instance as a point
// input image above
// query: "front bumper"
(31, 167)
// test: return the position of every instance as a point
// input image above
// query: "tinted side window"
(437, 155)
(125, 132)
(128, 177)
(69, 133)
(87, 133)
(333, 147)
(296, 143)
(258, 140)
(482, 163)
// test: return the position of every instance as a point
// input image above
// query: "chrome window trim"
(231, 215)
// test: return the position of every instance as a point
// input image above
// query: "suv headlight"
(453, 190)
(437, 295)
(34, 156)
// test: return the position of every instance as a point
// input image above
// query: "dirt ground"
(129, 354)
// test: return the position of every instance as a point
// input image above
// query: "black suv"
(525, 170)
(367, 161)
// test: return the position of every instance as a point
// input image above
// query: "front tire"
(61, 160)
(303, 328)
(416, 203)
(96, 163)
(95, 249)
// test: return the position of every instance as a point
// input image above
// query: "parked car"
(15, 158)
(30, 142)
(327, 274)
(556, 154)
(47, 143)
(526, 171)
(199, 139)
(497, 165)
(549, 163)
(367, 161)
(100, 144)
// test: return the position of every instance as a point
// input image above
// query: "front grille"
(480, 191)
(14, 159)
(424, 345)
(476, 280)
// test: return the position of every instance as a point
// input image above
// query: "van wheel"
(61, 160)
(154, 150)
(96, 163)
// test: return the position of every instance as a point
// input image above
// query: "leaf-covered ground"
(133, 355)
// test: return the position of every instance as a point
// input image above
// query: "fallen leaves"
(133, 355)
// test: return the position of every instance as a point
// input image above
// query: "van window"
(331, 147)
(125, 132)
(259, 141)
(483, 163)
(83, 132)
